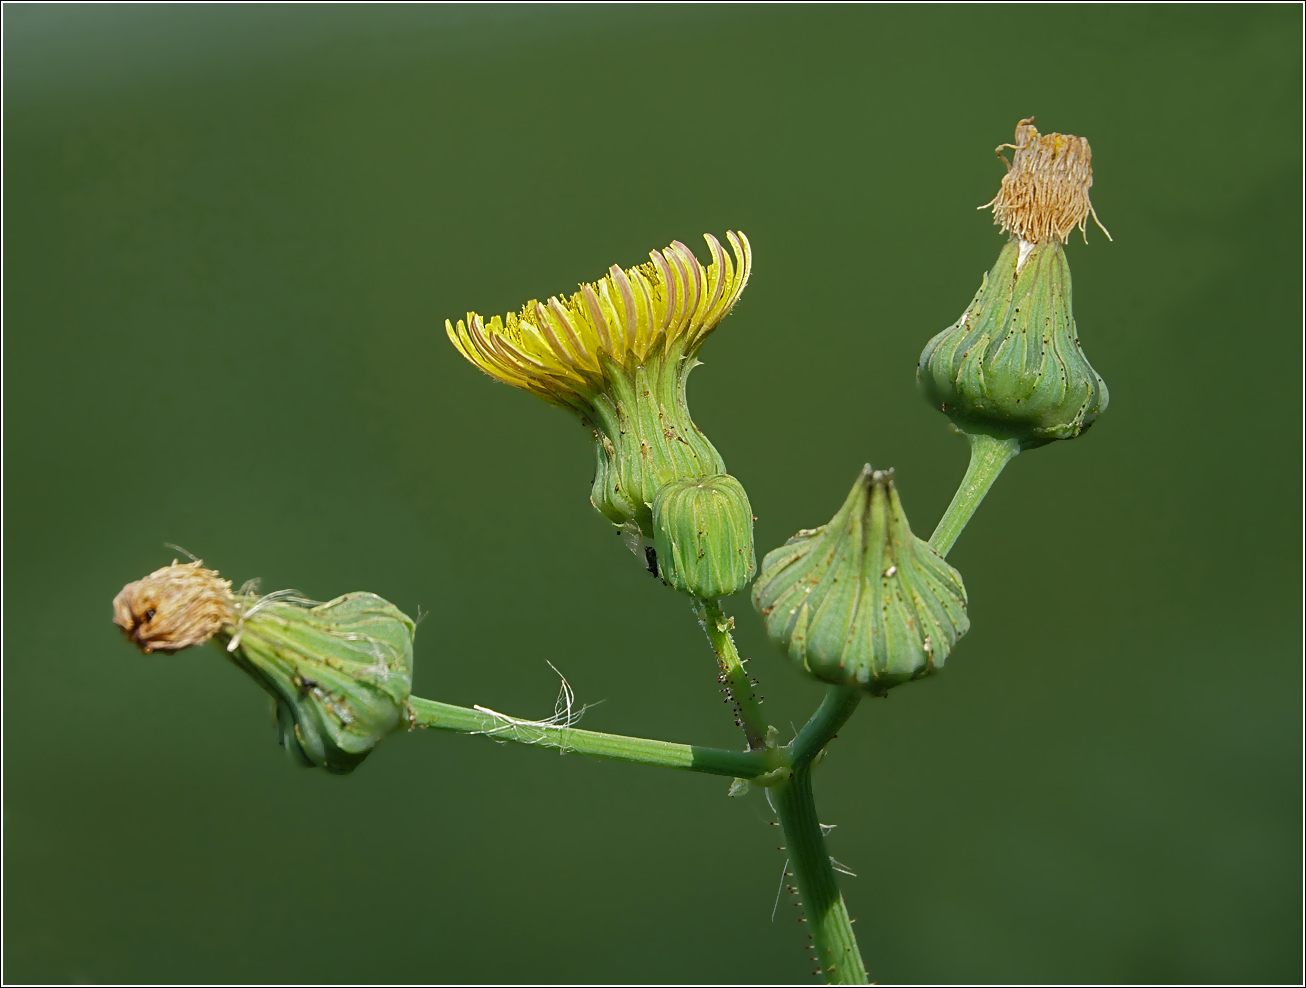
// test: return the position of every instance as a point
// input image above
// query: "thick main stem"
(827, 915)
(832, 933)
(736, 680)
(641, 751)
(988, 455)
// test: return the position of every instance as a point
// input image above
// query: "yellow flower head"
(1044, 195)
(561, 349)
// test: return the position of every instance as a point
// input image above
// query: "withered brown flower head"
(1044, 195)
(174, 608)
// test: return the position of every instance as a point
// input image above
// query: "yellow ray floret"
(553, 349)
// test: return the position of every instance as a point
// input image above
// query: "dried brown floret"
(1044, 195)
(174, 608)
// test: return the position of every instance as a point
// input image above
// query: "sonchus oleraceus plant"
(860, 603)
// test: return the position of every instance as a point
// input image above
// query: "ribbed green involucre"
(340, 671)
(1012, 365)
(645, 437)
(703, 534)
(862, 601)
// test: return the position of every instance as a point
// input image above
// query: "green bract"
(703, 534)
(644, 438)
(340, 672)
(862, 601)
(1012, 366)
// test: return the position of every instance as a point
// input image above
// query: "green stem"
(642, 751)
(832, 714)
(988, 455)
(827, 914)
(747, 705)
(836, 947)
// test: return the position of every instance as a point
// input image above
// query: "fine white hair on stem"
(284, 597)
(565, 715)
(783, 872)
(842, 869)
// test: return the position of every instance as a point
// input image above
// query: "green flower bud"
(340, 672)
(1012, 366)
(862, 601)
(703, 536)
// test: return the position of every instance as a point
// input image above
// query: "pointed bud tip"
(876, 478)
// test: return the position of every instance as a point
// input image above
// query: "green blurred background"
(232, 236)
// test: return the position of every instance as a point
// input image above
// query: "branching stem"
(791, 795)
(642, 751)
(792, 799)
(832, 933)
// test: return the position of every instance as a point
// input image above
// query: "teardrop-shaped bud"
(703, 535)
(862, 601)
(340, 671)
(1012, 365)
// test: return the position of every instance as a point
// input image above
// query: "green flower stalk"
(862, 601)
(618, 353)
(340, 672)
(284, 641)
(1011, 373)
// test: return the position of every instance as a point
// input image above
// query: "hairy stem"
(988, 455)
(642, 751)
(827, 915)
(736, 680)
